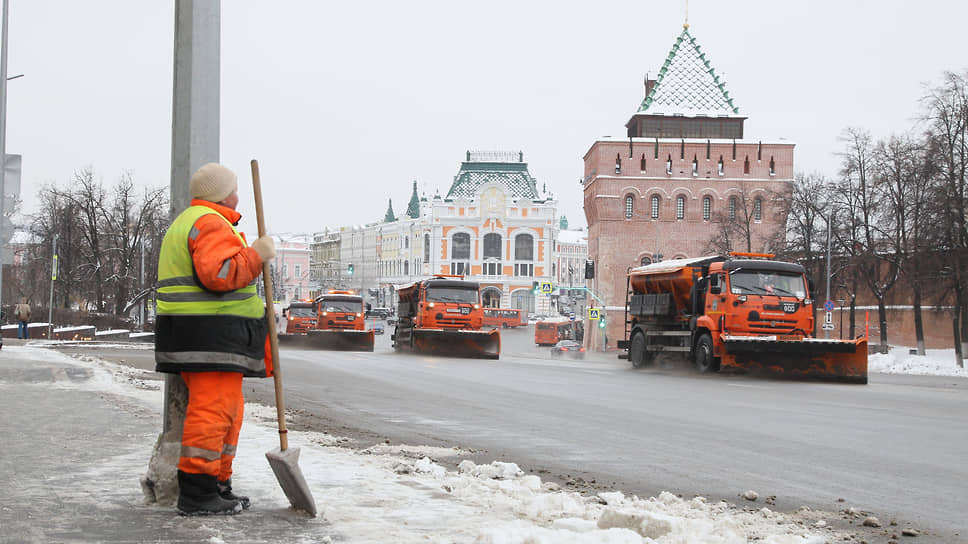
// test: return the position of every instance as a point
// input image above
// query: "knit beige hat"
(213, 182)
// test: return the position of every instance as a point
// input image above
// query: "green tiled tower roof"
(508, 169)
(413, 209)
(687, 84)
(389, 217)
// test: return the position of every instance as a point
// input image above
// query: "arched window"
(642, 163)
(758, 209)
(524, 247)
(655, 206)
(426, 247)
(460, 246)
(629, 205)
(406, 242)
(680, 207)
(707, 208)
(524, 251)
(645, 261)
(732, 207)
(406, 268)
(492, 246)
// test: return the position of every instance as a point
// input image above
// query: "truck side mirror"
(715, 285)
(812, 287)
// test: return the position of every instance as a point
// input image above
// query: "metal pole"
(144, 297)
(50, 304)
(826, 332)
(3, 140)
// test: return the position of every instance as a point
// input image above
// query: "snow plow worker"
(211, 328)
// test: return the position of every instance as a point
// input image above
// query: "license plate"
(790, 307)
(350, 317)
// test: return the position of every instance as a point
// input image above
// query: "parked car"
(377, 327)
(379, 313)
(568, 348)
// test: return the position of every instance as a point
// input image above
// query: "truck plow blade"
(809, 358)
(330, 340)
(471, 344)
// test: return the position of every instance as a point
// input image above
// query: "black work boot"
(198, 496)
(225, 491)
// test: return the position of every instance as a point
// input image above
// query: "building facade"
(291, 269)
(685, 182)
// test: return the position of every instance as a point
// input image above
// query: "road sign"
(828, 326)
(593, 313)
(546, 288)
(828, 318)
(829, 305)
(571, 316)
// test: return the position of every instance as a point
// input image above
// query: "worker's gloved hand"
(265, 247)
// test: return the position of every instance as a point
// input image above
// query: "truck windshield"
(766, 282)
(302, 311)
(452, 294)
(340, 306)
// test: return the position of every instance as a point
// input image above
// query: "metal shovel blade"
(285, 465)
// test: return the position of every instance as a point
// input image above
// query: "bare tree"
(946, 116)
(736, 225)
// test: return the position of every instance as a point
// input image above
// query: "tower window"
(732, 208)
(680, 207)
(618, 163)
(707, 208)
(772, 166)
(695, 165)
(758, 210)
(629, 203)
(669, 165)
(746, 165)
(722, 167)
(655, 206)
(642, 163)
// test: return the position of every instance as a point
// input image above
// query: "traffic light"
(589, 269)
(535, 288)
(601, 322)
(349, 269)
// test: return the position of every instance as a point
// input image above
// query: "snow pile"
(898, 360)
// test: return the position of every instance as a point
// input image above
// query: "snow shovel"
(285, 460)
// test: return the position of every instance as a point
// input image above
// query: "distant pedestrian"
(211, 328)
(22, 312)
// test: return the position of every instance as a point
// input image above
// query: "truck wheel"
(705, 362)
(637, 352)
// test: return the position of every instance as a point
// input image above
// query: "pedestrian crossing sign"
(593, 313)
(546, 288)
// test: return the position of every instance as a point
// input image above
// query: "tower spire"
(686, 23)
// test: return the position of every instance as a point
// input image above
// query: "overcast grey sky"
(344, 104)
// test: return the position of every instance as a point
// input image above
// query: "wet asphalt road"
(894, 447)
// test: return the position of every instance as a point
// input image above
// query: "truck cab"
(340, 310)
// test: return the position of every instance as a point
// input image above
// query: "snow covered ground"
(402, 494)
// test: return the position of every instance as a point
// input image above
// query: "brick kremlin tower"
(687, 181)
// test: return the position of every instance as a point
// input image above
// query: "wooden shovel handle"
(271, 312)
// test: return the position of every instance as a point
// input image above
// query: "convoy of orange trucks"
(442, 315)
(339, 324)
(745, 312)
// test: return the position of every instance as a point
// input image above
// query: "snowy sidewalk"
(78, 432)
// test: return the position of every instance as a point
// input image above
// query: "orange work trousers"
(213, 420)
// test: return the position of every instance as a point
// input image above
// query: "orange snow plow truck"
(745, 313)
(443, 316)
